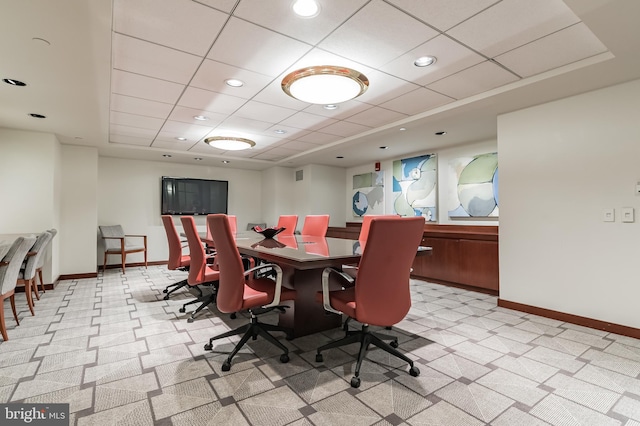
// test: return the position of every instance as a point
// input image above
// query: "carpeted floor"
(119, 354)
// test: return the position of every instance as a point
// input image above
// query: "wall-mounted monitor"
(187, 196)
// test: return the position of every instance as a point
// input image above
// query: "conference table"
(302, 259)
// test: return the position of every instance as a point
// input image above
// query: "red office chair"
(316, 225)
(200, 273)
(242, 290)
(380, 295)
(289, 223)
(177, 260)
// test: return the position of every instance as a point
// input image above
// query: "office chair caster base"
(226, 366)
(355, 382)
(182, 310)
(284, 358)
(394, 344)
(190, 319)
(414, 371)
(166, 297)
(319, 358)
(165, 291)
(233, 316)
(208, 347)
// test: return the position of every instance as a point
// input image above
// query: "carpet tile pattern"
(119, 354)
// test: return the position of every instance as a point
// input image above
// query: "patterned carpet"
(120, 355)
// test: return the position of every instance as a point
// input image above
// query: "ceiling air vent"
(299, 175)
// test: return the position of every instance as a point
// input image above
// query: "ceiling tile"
(299, 146)
(212, 75)
(450, 55)
(118, 129)
(134, 120)
(510, 24)
(384, 87)
(180, 24)
(189, 131)
(278, 16)
(173, 145)
(130, 140)
(274, 95)
(376, 116)
(563, 47)
(241, 125)
(139, 86)
(377, 34)
(443, 14)
(345, 129)
(266, 112)
(344, 110)
(223, 5)
(318, 138)
(304, 120)
(149, 59)
(185, 115)
(291, 132)
(139, 106)
(207, 100)
(236, 46)
(474, 80)
(418, 101)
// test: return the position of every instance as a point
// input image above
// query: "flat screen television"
(187, 196)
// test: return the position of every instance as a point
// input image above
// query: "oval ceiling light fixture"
(325, 84)
(306, 8)
(229, 143)
(232, 82)
(14, 82)
(425, 61)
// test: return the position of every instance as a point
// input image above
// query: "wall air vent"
(299, 174)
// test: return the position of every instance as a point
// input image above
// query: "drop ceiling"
(128, 77)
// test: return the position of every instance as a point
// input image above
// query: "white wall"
(443, 157)
(129, 195)
(320, 192)
(29, 169)
(561, 164)
(277, 187)
(79, 209)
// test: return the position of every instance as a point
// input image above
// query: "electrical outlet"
(627, 214)
(609, 215)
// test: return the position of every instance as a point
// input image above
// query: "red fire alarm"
(377, 166)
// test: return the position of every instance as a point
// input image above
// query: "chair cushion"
(341, 300)
(261, 292)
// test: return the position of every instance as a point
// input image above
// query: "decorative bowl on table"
(268, 232)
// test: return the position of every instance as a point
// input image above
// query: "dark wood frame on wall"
(463, 255)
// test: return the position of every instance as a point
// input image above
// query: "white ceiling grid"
(171, 58)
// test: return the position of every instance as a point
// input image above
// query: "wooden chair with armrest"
(380, 295)
(121, 244)
(9, 270)
(241, 290)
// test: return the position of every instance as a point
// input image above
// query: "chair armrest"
(278, 290)
(326, 303)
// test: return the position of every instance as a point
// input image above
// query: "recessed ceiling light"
(234, 82)
(200, 117)
(339, 156)
(197, 158)
(384, 147)
(424, 61)
(181, 138)
(226, 161)
(280, 131)
(306, 8)
(37, 115)
(402, 129)
(13, 82)
(441, 133)
(166, 155)
(330, 106)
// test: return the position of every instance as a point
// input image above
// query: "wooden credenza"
(464, 255)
